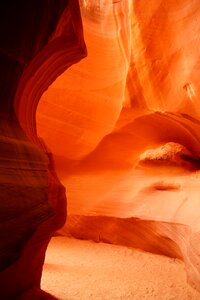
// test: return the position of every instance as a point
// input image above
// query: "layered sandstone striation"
(124, 128)
(38, 41)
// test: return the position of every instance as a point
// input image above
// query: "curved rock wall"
(164, 59)
(38, 41)
(125, 119)
(83, 104)
(128, 118)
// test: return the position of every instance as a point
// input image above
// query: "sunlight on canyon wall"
(124, 128)
(83, 104)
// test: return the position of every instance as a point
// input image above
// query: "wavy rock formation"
(107, 121)
(38, 41)
(84, 103)
(133, 99)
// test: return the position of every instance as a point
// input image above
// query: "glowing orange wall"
(123, 126)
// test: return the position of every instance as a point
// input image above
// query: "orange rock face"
(123, 125)
(83, 104)
(121, 128)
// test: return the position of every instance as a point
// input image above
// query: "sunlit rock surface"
(136, 91)
(171, 154)
(84, 103)
(122, 126)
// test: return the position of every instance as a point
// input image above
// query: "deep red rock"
(38, 41)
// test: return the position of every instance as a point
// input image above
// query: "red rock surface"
(38, 41)
(135, 93)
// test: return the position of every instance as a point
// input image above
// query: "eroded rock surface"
(137, 90)
(38, 41)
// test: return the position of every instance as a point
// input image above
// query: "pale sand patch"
(76, 269)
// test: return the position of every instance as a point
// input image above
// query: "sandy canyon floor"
(76, 269)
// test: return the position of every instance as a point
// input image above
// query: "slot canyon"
(100, 149)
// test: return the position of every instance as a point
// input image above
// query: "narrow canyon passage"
(99, 149)
(123, 126)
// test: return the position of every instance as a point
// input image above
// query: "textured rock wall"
(83, 104)
(38, 41)
(128, 119)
